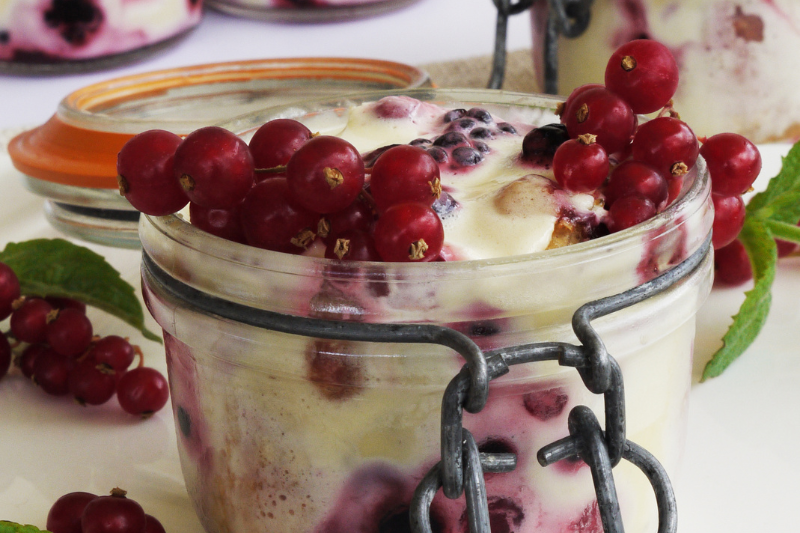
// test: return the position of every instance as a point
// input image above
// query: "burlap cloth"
(475, 72)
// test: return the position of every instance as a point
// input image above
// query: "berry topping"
(540, 144)
(632, 178)
(602, 113)
(644, 73)
(580, 165)
(666, 143)
(274, 143)
(405, 174)
(409, 232)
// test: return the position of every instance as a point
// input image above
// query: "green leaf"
(784, 231)
(787, 180)
(56, 267)
(752, 315)
(12, 527)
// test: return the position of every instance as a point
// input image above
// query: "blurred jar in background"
(52, 36)
(739, 60)
(307, 10)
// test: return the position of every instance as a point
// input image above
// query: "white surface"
(740, 468)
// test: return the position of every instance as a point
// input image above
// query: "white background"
(741, 466)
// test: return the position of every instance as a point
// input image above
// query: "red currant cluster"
(62, 356)
(289, 189)
(642, 166)
(83, 512)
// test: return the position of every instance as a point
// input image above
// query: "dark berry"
(65, 514)
(51, 372)
(481, 133)
(91, 383)
(27, 360)
(9, 290)
(29, 320)
(644, 73)
(274, 143)
(438, 154)
(69, 333)
(480, 115)
(5, 355)
(152, 525)
(450, 139)
(467, 156)
(454, 114)
(732, 265)
(113, 351)
(142, 391)
(113, 514)
(633, 178)
(505, 127)
(64, 303)
(445, 205)
(540, 144)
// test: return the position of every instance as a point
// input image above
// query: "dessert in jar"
(737, 60)
(307, 10)
(285, 432)
(40, 36)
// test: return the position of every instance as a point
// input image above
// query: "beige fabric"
(475, 72)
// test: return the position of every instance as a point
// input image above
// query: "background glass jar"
(71, 159)
(55, 37)
(738, 69)
(317, 435)
(305, 11)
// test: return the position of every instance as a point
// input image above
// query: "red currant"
(113, 514)
(358, 216)
(51, 372)
(409, 232)
(152, 525)
(733, 163)
(58, 302)
(600, 112)
(325, 174)
(577, 91)
(271, 219)
(405, 174)
(27, 360)
(69, 333)
(581, 165)
(629, 211)
(666, 143)
(142, 391)
(5, 355)
(29, 320)
(91, 383)
(214, 167)
(274, 143)
(224, 223)
(9, 290)
(644, 73)
(634, 178)
(113, 351)
(146, 176)
(353, 245)
(65, 514)
(732, 265)
(729, 214)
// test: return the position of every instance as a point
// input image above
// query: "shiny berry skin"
(358, 216)
(733, 163)
(51, 372)
(634, 178)
(29, 320)
(5, 355)
(142, 391)
(540, 144)
(64, 303)
(9, 290)
(272, 220)
(113, 514)
(214, 167)
(732, 265)
(409, 232)
(577, 91)
(70, 333)
(352, 245)
(325, 174)
(224, 223)
(729, 214)
(644, 73)
(27, 360)
(91, 383)
(405, 174)
(114, 351)
(629, 211)
(666, 143)
(580, 165)
(152, 525)
(600, 112)
(65, 514)
(146, 175)
(274, 143)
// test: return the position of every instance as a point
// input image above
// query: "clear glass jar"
(738, 68)
(58, 37)
(290, 433)
(305, 11)
(71, 159)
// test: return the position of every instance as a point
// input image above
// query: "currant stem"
(272, 170)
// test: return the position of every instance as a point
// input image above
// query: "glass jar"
(738, 71)
(78, 36)
(71, 159)
(279, 431)
(305, 11)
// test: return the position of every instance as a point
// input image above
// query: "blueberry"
(371, 157)
(480, 114)
(439, 154)
(444, 205)
(481, 133)
(482, 147)
(462, 124)
(449, 139)
(505, 127)
(421, 142)
(541, 143)
(467, 156)
(75, 20)
(455, 114)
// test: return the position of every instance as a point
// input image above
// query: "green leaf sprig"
(56, 267)
(13, 527)
(771, 214)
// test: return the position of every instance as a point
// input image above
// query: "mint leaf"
(12, 527)
(784, 231)
(787, 181)
(763, 252)
(56, 267)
